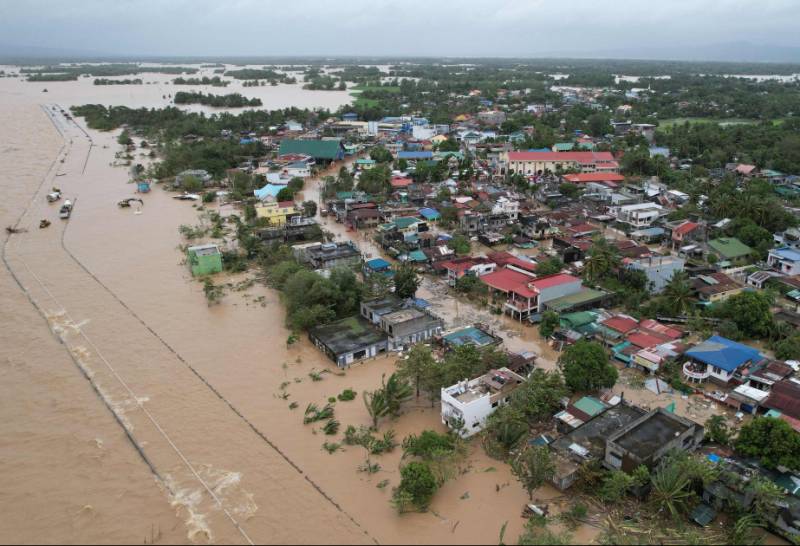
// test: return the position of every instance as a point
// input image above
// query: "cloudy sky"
(509, 28)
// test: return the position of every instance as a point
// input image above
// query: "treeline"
(233, 100)
(104, 70)
(106, 81)
(216, 81)
(171, 123)
(52, 77)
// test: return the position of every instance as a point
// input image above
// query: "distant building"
(329, 255)
(467, 404)
(204, 259)
(659, 270)
(730, 251)
(321, 150)
(539, 163)
(785, 259)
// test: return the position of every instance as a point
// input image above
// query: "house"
(467, 404)
(784, 259)
(648, 439)
(349, 340)
(377, 266)
(784, 399)
(539, 163)
(467, 265)
(686, 232)
(579, 412)
(330, 255)
(492, 117)
(730, 251)
(408, 326)
(608, 179)
(715, 287)
(325, 151)
(659, 270)
(639, 215)
(477, 336)
(648, 235)
(587, 442)
(718, 359)
(277, 213)
(204, 259)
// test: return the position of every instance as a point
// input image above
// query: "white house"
(506, 206)
(640, 215)
(785, 259)
(467, 404)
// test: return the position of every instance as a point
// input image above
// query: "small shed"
(204, 259)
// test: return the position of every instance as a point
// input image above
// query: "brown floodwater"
(131, 411)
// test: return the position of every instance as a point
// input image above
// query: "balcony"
(696, 372)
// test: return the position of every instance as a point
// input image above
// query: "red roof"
(554, 280)
(645, 341)
(583, 178)
(400, 182)
(285, 204)
(459, 265)
(661, 329)
(578, 157)
(508, 280)
(620, 324)
(685, 228)
(506, 258)
(785, 397)
(581, 228)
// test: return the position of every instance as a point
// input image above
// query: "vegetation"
(533, 466)
(406, 281)
(232, 100)
(772, 441)
(106, 81)
(586, 367)
(216, 81)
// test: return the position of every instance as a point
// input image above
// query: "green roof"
(319, 149)
(417, 256)
(730, 247)
(586, 295)
(574, 320)
(405, 221)
(590, 406)
(563, 146)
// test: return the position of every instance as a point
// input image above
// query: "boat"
(66, 210)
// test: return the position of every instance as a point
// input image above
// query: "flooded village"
(539, 316)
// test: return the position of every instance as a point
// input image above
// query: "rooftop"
(471, 335)
(578, 157)
(650, 433)
(592, 434)
(348, 334)
(570, 301)
(723, 353)
(730, 247)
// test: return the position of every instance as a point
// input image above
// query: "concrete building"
(639, 215)
(648, 439)
(277, 213)
(538, 163)
(406, 327)
(785, 259)
(329, 255)
(659, 270)
(467, 404)
(349, 340)
(718, 359)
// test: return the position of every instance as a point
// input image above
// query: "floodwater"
(157, 90)
(131, 411)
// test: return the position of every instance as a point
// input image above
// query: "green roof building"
(731, 249)
(324, 150)
(204, 259)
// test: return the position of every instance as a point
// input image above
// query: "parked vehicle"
(66, 210)
(54, 196)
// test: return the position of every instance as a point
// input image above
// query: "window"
(475, 425)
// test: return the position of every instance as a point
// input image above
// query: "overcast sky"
(509, 28)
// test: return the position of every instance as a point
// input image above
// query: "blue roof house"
(718, 359)
(414, 156)
(784, 259)
(270, 190)
(378, 265)
(429, 214)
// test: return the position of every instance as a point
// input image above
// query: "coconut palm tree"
(603, 257)
(679, 292)
(377, 407)
(670, 488)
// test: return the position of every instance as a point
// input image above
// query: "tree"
(615, 486)
(376, 404)
(539, 395)
(396, 392)
(549, 324)
(789, 348)
(380, 154)
(752, 313)
(310, 208)
(678, 292)
(603, 258)
(599, 125)
(550, 266)
(670, 488)
(406, 281)
(772, 441)
(586, 367)
(418, 365)
(533, 467)
(124, 138)
(460, 245)
(717, 430)
(417, 485)
(285, 194)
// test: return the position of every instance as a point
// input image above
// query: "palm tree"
(679, 292)
(670, 488)
(375, 401)
(396, 391)
(603, 257)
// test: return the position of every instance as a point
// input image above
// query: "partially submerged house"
(329, 255)
(349, 340)
(717, 359)
(467, 404)
(323, 151)
(204, 259)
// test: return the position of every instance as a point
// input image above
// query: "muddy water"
(157, 89)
